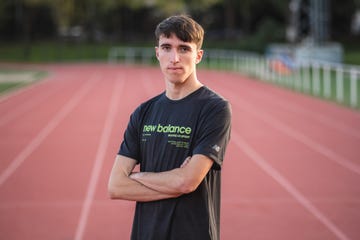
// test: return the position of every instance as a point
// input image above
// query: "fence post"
(316, 79)
(306, 78)
(327, 81)
(297, 78)
(353, 87)
(130, 56)
(113, 55)
(340, 84)
(146, 55)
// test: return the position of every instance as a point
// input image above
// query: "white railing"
(338, 82)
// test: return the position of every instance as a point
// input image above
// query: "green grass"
(352, 52)
(13, 84)
(8, 86)
(352, 57)
(53, 52)
(69, 52)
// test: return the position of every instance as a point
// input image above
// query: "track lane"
(254, 206)
(336, 182)
(56, 171)
(116, 216)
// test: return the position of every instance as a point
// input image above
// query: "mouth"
(175, 69)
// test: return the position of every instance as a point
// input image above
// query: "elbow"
(186, 186)
(188, 189)
(116, 188)
(114, 192)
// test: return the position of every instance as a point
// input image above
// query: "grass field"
(68, 52)
(11, 79)
(54, 52)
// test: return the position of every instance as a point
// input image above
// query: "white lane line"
(266, 167)
(312, 144)
(350, 130)
(99, 159)
(44, 133)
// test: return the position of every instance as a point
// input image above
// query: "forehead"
(173, 40)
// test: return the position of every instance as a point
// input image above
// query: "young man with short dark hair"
(179, 139)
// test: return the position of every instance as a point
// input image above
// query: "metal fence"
(336, 82)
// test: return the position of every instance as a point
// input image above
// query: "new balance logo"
(167, 129)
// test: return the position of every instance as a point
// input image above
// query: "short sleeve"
(214, 132)
(130, 145)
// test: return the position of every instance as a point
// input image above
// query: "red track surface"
(292, 169)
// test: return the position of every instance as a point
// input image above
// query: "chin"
(175, 78)
(176, 81)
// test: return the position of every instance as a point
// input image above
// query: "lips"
(174, 68)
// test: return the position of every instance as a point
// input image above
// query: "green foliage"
(11, 79)
(62, 52)
(7, 86)
(352, 55)
(269, 31)
(54, 52)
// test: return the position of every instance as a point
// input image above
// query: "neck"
(179, 91)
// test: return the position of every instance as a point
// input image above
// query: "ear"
(199, 56)
(157, 52)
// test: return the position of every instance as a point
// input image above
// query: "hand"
(186, 161)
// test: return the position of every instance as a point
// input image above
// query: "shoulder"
(138, 115)
(144, 106)
(212, 96)
(214, 101)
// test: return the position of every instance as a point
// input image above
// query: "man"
(179, 139)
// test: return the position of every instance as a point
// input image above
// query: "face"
(177, 59)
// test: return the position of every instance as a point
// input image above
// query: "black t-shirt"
(161, 133)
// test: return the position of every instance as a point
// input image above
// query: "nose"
(175, 58)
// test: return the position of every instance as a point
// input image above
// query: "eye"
(184, 49)
(166, 48)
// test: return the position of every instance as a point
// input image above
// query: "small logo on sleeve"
(216, 148)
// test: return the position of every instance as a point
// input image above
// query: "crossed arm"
(151, 186)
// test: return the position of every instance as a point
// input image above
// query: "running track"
(292, 169)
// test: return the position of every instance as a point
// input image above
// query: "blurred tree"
(30, 18)
(166, 8)
(230, 12)
(7, 20)
(252, 12)
(341, 17)
(247, 14)
(123, 19)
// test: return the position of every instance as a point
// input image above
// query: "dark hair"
(184, 27)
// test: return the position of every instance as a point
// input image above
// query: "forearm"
(151, 186)
(168, 182)
(179, 180)
(121, 186)
(129, 189)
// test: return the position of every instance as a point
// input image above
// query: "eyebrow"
(186, 46)
(165, 45)
(181, 45)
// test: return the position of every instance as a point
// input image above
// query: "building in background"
(308, 34)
